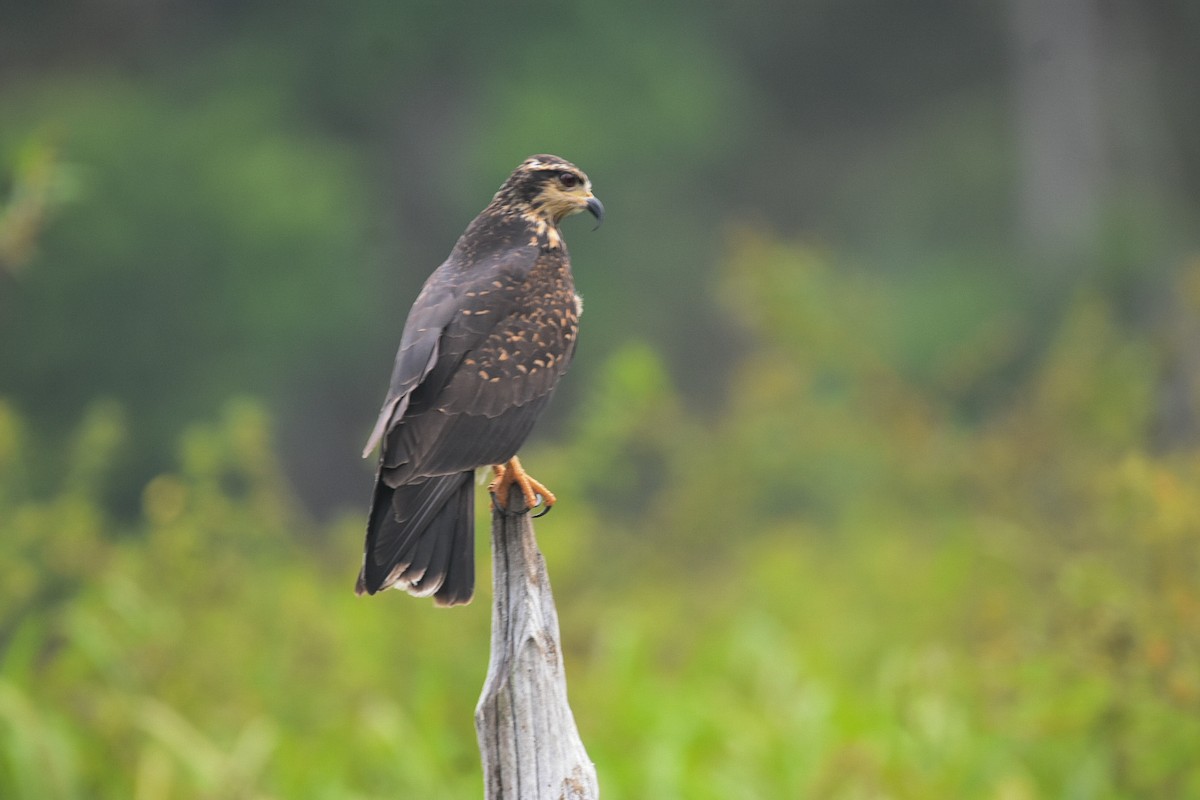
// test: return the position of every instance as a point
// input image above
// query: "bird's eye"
(569, 180)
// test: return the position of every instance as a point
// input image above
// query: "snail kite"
(487, 339)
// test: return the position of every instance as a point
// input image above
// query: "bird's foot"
(513, 472)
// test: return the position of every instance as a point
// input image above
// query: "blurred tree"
(39, 185)
(293, 174)
(1061, 125)
(209, 250)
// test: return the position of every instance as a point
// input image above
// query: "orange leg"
(513, 472)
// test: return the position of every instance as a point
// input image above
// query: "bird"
(486, 341)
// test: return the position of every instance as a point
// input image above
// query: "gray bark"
(527, 736)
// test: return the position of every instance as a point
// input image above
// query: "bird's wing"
(431, 312)
(497, 362)
(455, 312)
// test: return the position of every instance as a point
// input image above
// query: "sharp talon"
(497, 506)
(545, 510)
(533, 492)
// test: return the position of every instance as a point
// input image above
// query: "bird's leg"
(513, 472)
(498, 473)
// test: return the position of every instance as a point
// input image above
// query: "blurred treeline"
(879, 460)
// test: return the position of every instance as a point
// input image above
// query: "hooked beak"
(596, 209)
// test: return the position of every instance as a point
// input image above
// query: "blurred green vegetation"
(879, 479)
(883, 601)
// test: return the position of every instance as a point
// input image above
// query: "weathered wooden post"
(527, 736)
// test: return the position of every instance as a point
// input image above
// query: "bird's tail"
(421, 538)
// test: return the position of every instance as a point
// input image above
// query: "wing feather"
(455, 310)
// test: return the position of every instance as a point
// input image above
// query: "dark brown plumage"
(486, 341)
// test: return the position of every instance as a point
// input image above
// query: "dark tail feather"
(458, 585)
(420, 537)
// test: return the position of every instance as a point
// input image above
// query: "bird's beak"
(596, 209)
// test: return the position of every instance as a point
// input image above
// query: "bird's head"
(550, 188)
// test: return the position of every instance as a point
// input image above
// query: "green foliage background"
(860, 498)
